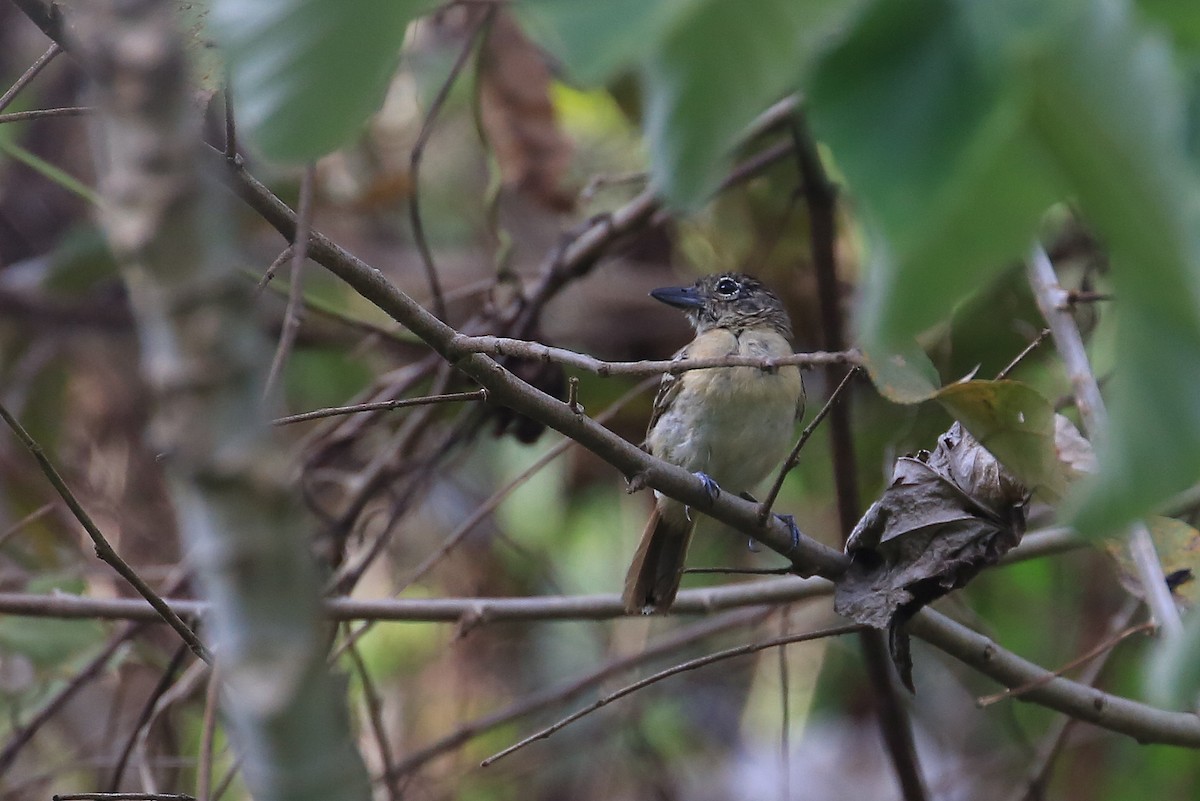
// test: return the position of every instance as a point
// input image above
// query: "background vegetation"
(528, 171)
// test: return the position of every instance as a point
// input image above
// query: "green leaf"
(721, 64)
(958, 122)
(902, 374)
(306, 74)
(929, 129)
(1138, 188)
(1015, 423)
(595, 41)
(1173, 673)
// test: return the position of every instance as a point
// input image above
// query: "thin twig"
(22, 735)
(414, 163)
(374, 707)
(1143, 722)
(41, 113)
(29, 75)
(1020, 357)
(160, 688)
(295, 304)
(794, 457)
(103, 549)
(1051, 299)
(525, 349)
(1056, 735)
(820, 198)
(399, 403)
(29, 519)
(562, 693)
(208, 736)
(1104, 646)
(692, 664)
(272, 268)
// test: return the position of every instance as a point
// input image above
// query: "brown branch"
(503, 346)
(104, 550)
(445, 610)
(692, 664)
(809, 556)
(450, 610)
(1144, 723)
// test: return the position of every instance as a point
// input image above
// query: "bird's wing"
(668, 388)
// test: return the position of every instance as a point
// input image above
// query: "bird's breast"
(733, 423)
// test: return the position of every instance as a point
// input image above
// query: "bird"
(729, 425)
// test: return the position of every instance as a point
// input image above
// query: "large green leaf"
(929, 129)
(1112, 110)
(306, 74)
(1015, 423)
(717, 67)
(902, 374)
(593, 41)
(956, 123)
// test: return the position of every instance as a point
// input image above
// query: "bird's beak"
(681, 297)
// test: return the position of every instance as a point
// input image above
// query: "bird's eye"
(727, 286)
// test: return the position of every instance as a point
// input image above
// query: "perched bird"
(729, 425)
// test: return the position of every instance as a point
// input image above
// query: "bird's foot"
(711, 489)
(790, 522)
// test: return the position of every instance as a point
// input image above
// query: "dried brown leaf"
(519, 118)
(945, 516)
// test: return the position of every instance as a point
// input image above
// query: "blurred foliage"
(959, 131)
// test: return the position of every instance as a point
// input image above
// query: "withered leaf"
(518, 116)
(945, 516)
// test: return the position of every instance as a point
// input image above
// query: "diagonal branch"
(809, 556)
(1053, 303)
(104, 550)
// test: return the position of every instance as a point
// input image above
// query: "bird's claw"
(790, 522)
(711, 489)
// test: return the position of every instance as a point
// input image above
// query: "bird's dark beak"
(681, 297)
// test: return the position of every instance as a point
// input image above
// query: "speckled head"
(728, 300)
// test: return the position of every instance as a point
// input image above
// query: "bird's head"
(728, 300)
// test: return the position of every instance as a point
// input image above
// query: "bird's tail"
(657, 567)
